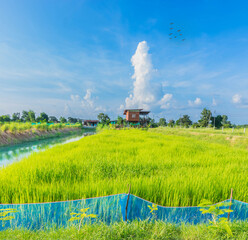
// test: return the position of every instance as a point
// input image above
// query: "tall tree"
(119, 120)
(162, 122)
(224, 119)
(103, 118)
(184, 121)
(31, 116)
(25, 116)
(205, 117)
(62, 120)
(217, 121)
(224, 122)
(72, 120)
(151, 122)
(171, 123)
(16, 117)
(53, 119)
(42, 118)
(5, 118)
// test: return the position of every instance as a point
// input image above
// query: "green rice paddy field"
(170, 167)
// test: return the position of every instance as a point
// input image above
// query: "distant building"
(90, 123)
(136, 116)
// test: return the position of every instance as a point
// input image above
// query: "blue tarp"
(109, 209)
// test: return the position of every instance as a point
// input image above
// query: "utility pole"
(214, 118)
(210, 115)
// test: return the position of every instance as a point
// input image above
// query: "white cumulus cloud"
(86, 103)
(236, 98)
(145, 94)
(196, 102)
(142, 96)
(165, 101)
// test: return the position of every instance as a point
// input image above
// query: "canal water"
(10, 154)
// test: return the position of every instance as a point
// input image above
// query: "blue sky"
(73, 58)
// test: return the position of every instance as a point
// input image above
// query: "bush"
(5, 127)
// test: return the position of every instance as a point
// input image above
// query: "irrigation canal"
(10, 154)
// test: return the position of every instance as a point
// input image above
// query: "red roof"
(91, 121)
(136, 110)
(131, 110)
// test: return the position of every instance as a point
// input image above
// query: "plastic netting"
(109, 209)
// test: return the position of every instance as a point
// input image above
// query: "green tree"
(103, 118)
(62, 120)
(224, 119)
(124, 122)
(162, 122)
(53, 119)
(16, 117)
(184, 121)
(152, 123)
(195, 125)
(25, 116)
(225, 123)
(31, 116)
(42, 118)
(171, 123)
(205, 117)
(72, 120)
(217, 121)
(80, 121)
(5, 118)
(119, 120)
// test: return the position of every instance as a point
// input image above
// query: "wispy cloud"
(197, 102)
(236, 98)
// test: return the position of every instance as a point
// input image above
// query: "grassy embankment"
(13, 133)
(135, 230)
(171, 167)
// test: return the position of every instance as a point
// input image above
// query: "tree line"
(30, 116)
(206, 120)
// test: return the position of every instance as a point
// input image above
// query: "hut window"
(133, 115)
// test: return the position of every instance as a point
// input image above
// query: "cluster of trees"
(206, 120)
(30, 116)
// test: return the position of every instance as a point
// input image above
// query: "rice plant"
(165, 166)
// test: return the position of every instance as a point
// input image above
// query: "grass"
(227, 137)
(228, 131)
(167, 167)
(135, 230)
(19, 127)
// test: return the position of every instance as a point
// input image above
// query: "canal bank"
(14, 153)
(10, 139)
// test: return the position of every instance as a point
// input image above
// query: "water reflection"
(15, 153)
